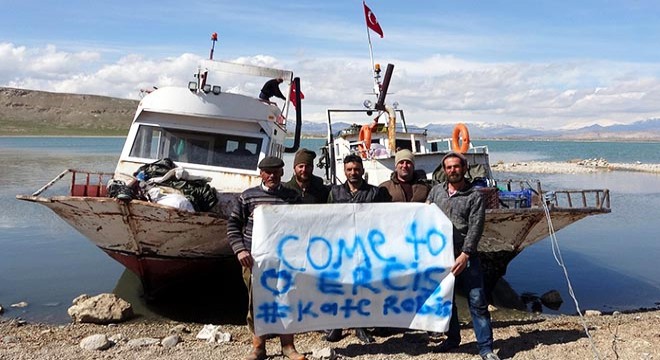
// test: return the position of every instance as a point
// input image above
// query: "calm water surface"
(612, 259)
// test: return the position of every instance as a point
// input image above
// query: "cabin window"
(147, 143)
(407, 144)
(226, 150)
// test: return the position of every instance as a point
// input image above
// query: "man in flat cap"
(309, 186)
(406, 185)
(239, 234)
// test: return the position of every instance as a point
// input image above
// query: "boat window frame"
(266, 142)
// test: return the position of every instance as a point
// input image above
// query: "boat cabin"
(378, 142)
(210, 133)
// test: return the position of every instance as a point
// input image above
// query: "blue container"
(516, 199)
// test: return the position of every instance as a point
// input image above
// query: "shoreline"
(620, 335)
(572, 167)
(324, 137)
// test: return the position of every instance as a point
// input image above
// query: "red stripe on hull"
(158, 273)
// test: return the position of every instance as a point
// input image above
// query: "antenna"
(214, 38)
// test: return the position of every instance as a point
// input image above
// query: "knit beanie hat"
(304, 156)
(404, 154)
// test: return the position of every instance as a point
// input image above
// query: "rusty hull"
(142, 228)
(162, 244)
(512, 230)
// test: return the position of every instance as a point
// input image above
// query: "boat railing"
(83, 183)
(596, 198)
(588, 198)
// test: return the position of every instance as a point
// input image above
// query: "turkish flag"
(372, 22)
(292, 94)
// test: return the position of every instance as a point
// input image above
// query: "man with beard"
(239, 234)
(464, 206)
(354, 190)
(309, 186)
(406, 185)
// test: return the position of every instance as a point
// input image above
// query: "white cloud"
(432, 89)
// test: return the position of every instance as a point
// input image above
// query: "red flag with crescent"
(372, 22)
(292, 95)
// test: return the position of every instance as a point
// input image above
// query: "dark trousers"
(471, 281)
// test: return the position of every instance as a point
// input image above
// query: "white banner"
(351, 265)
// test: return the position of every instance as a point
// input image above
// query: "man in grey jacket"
(465, 208)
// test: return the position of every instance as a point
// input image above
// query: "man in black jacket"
(354, 190)
(271, 88)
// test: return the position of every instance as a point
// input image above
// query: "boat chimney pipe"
(380, 105)
(296, 136)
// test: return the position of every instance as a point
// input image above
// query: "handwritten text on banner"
(351, 265)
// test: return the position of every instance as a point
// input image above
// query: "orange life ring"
(460, 133)
(365, 140)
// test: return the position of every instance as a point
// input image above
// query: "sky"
(534, 64)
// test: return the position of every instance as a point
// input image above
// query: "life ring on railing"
(460, 133)
(365, 140)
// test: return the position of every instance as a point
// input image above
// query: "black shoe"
(119, 190)
(364, 336)
(333, 335)
(446, 346)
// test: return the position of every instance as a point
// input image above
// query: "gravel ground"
(622, 336)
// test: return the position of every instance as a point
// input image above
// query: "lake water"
(611, 259)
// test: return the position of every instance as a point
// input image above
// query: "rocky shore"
(617, 336)
(577, 166)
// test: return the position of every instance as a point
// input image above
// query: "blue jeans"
(471, 280)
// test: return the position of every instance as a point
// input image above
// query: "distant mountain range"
(31, 112)
(644, 130)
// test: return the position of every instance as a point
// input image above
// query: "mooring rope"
(556, 252)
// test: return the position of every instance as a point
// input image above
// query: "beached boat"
(213, 135)
(517, 211)
(221, 137)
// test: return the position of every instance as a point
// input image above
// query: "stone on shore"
(180, 329)
(170, 341)
(117, 338)
(100, 309)
(552, 299)
(96, 342)
(2, 310)
(213, 334)
(325, 353)
(9, 339)
(145, 341)
(592, 313)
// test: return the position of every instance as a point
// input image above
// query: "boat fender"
(365, 140)
(460, 133)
